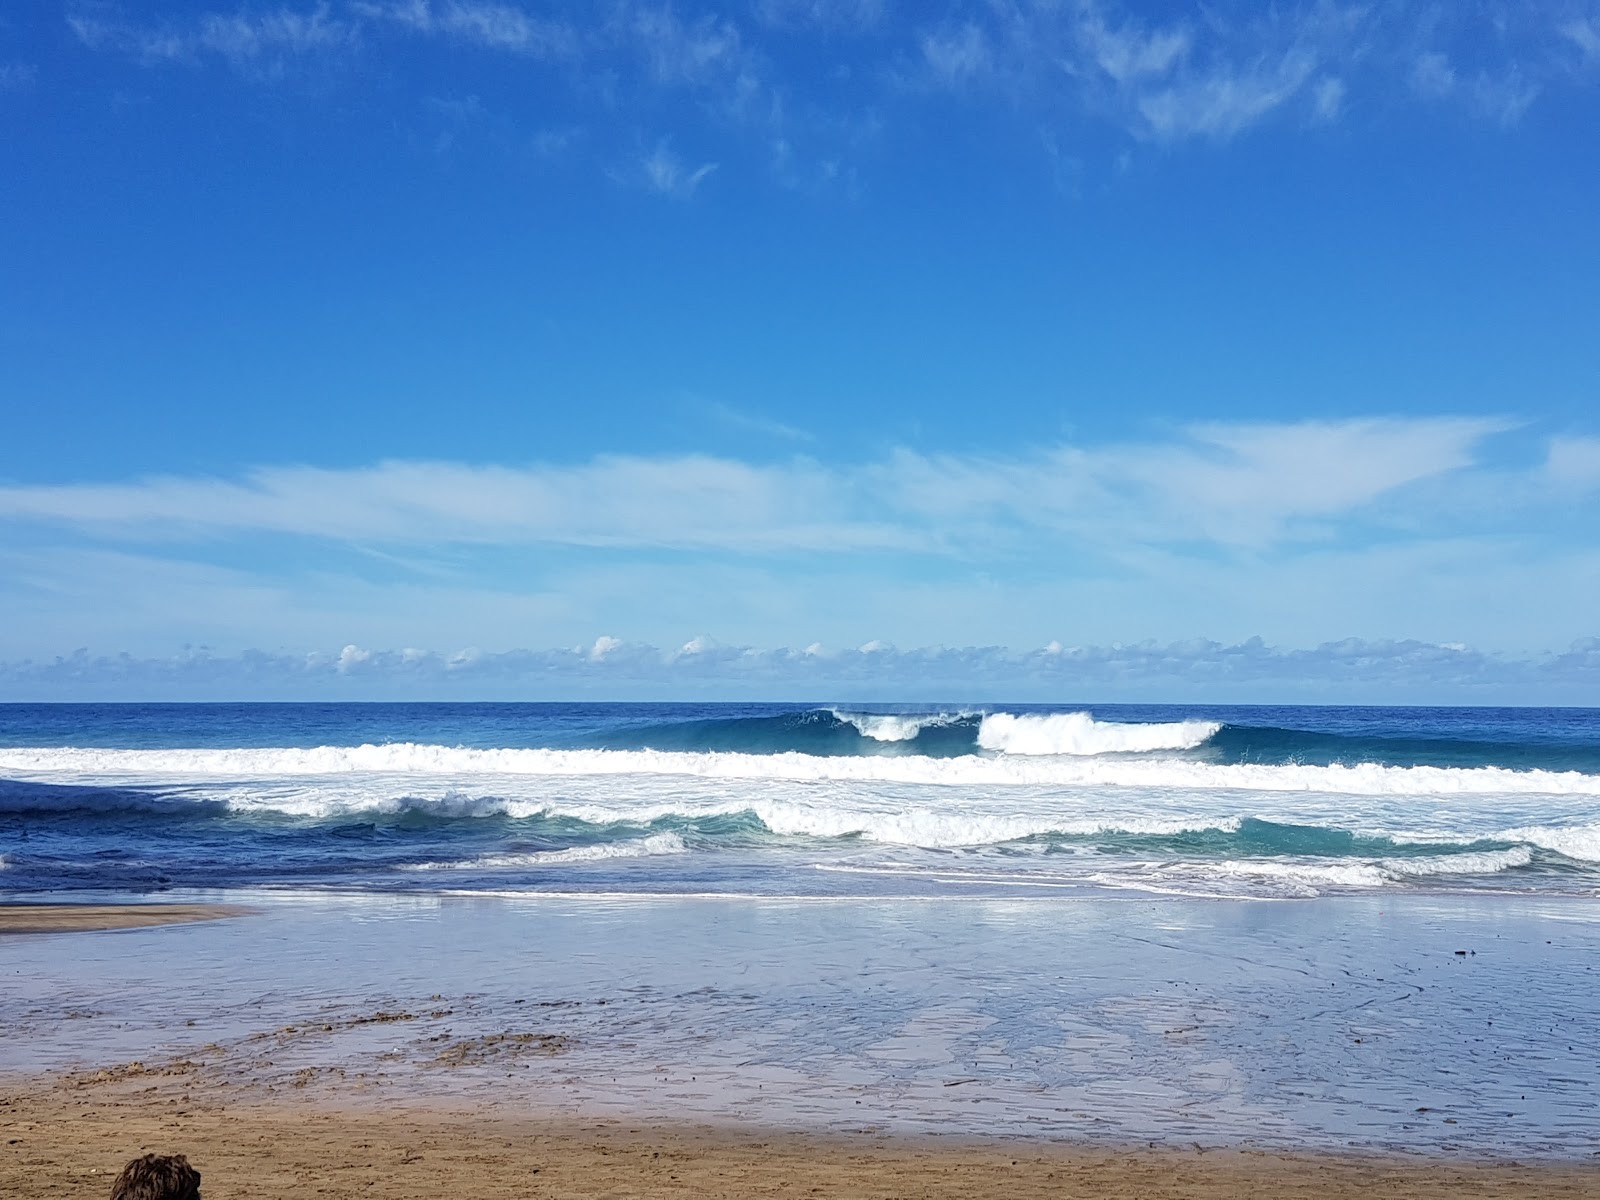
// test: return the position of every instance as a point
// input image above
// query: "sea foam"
(654, 846)
(1078, 733)
(897, 727)
(406, 759)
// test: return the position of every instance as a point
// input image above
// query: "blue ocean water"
(799, 800)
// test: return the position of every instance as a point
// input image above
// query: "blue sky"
(614, 348)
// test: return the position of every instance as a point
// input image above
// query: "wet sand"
(87, 918)
(383, 1047)
(71, 1140)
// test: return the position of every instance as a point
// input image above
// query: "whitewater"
(798, 800)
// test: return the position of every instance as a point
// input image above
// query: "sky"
(1032, 348)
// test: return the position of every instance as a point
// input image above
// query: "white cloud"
(1432, 75)
(1584, 33)
(822, 14)
(17, 76)
(1328, 98)
(766, 426)
(956, 54)
(684, 502)
(1224, 101)
(1504, 98)
(1128, 53)
(758, 84)
(662, 171)
(1251, 485)
(1574, 462)
(1349, 669)
(350, 658)
(677, 51)
(492, 25)
(260, 44)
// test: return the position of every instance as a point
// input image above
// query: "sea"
(800, 800)
(1304, 927)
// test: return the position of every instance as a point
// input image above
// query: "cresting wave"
(1379, 873)
(654, 846)
(1080, 734)
(1074, 733)
(81, 765)
(897, 727)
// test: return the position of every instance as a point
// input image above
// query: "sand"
(411, 1096)
(64, 1141)
(84, 918)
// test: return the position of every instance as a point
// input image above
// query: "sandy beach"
(71, 1141)
(378, 1048)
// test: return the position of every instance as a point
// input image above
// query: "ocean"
(799, 800)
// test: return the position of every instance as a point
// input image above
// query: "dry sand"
(83, 918)
(69, 1139)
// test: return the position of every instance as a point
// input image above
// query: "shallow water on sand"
(1344, 1022)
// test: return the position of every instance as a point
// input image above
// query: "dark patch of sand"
(84, 918)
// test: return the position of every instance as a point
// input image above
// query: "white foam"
(1310, 877)
(1307, 875)
(1080, 734)
(407, 760)
(1483, 862)
(896, 727)
(656, 845)
(1581, 842)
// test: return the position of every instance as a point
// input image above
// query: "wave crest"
(898, 727)
(1080, 734)
(654, 846)
(79, 766)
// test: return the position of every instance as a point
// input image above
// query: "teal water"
(800, 800)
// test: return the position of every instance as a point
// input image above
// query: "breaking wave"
(656, 845)
(1080, 734)
(72, 766)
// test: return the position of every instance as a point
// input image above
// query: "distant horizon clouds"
(1350, 671)
(482, 327)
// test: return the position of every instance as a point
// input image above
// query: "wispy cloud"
(956, 54)
(1574, 462)
(1224, 485)
(262, 43)
(755, 423)
(1584, 33)
(684, 52)
(684, 502)
(1504, 98)
(827, 15)
(662, 171)
(17, 76)
(492, 25)
(1329, 98)
(753, 78)
(1225, 100)
(1130, 52)
(1432, 75)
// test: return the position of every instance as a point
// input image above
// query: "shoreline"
(63, 1141)
(1428, 1032)
(29, 917)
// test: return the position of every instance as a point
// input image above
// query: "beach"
(394, 1046)
(764, 949)
(69, 1144)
